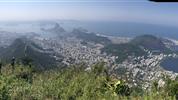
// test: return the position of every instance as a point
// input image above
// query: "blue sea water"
(170, 64)
(125, 29)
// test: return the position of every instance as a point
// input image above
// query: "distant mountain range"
(56, 29)
(137, 47)
(117, 28)
(23, 47)
(124, 29)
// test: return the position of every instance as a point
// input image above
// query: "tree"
(171, 87)
(27, 61)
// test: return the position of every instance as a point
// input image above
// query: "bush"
(72, 83)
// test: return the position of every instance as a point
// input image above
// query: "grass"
(68, 84)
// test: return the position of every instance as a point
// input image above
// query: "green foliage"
(72, 83)
(99, 68)
(176, 78)
(137, 91)
(171, 87)
(26, 61)
(27, 52)
(123, 51)
(123, 89)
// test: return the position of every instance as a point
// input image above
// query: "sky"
(141, 11)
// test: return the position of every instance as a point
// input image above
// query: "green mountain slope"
(150, 42)
(136, 47)
(23, 47)
(122, 51)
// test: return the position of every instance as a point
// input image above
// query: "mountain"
(124, 28)
(90, 37)
(122, 51)
(56, 29)
(23, 47)
(136, 47)
(150, 42)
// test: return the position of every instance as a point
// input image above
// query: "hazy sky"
(97, 10)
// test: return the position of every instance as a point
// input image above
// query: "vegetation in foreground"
(75, 83)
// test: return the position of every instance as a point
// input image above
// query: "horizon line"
(69, 1)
